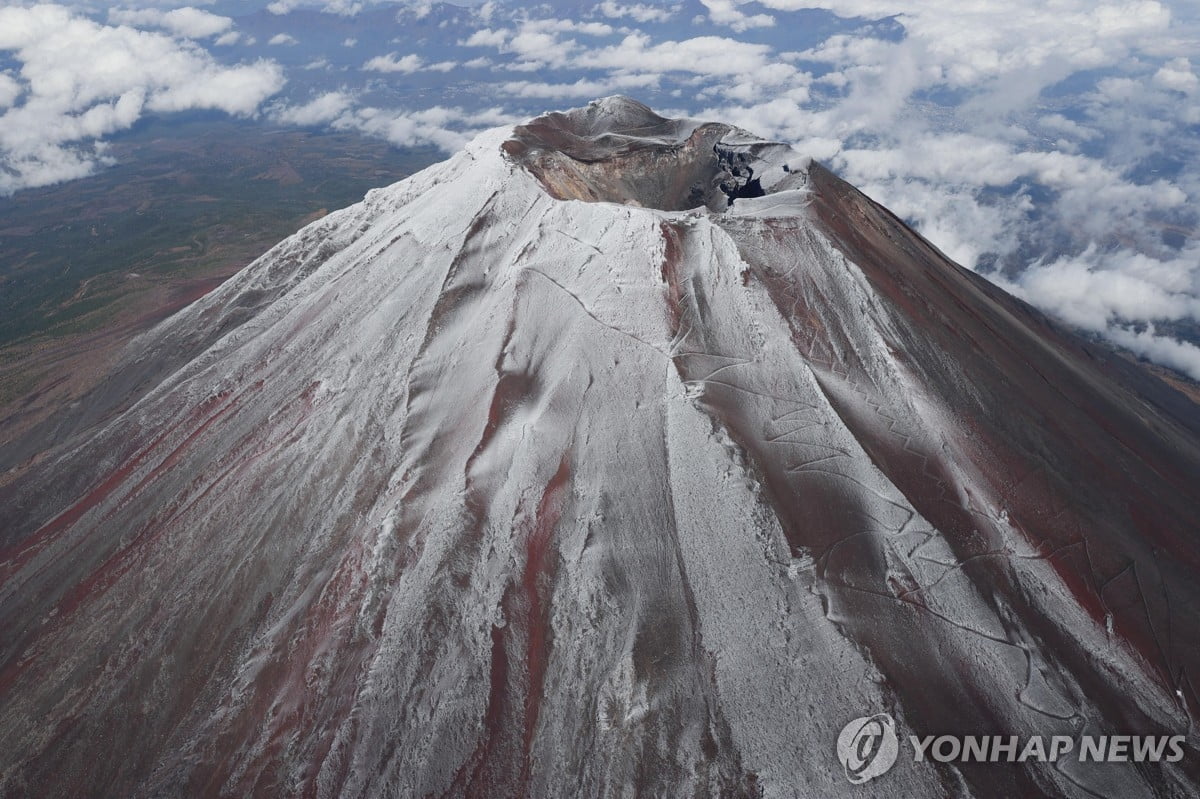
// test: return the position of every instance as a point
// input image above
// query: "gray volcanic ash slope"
(614, 456)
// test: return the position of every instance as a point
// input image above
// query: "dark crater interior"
(618, 150)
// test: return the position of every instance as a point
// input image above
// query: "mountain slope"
(614, 455)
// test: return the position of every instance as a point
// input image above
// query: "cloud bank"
(190, 22)
(79, 81)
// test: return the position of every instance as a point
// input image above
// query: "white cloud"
(703, 55)
(726, 12)
(345, 8)
(638, 12)
(1095, 291)
(446, 128)
(1120, 295)
(485, 11)
(283, 39)
(580, 88)
(80, 81)
(538, 48)
(1060, 124)
(189, 22)
(236, 90)
(487, 38)
(535, 43)
(420, 8)
(568, 26)
(390, 63)
(967, 44)
(10, 90)
(321, 110)
(1177, 75)
(1180, 355)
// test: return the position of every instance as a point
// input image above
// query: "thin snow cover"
(615, 455)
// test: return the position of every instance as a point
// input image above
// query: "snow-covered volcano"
(615, 456)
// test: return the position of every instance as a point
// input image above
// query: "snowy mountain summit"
(614, 456)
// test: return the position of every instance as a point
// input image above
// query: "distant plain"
(87, 265)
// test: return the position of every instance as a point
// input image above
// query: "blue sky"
(1053, 145)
